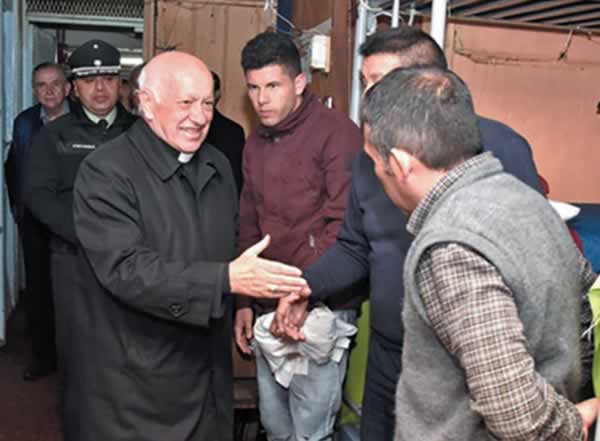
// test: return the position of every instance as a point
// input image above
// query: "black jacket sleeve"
(52, 207)
(346, 264)
(513, 151)
(10, 176)
(15, 160)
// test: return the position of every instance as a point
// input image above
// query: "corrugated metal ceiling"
(95, 8)
(562, 13)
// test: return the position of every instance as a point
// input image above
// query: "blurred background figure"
(125, 94)
(228, 136)
(134, 101)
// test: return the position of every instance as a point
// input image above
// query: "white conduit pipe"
(438, 21)
(396, 14)
(359, 37)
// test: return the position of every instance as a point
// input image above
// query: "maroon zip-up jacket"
(296, 182)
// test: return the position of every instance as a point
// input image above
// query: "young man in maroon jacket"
(296, 179)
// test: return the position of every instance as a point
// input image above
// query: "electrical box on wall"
(320, 52)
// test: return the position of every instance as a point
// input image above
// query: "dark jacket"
(228, 136)
(154, 325)
(373, 240)
(56, 153)
(513, 151)
(296, 181)
(25, 126)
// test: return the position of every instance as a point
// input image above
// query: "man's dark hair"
(216, 81)
(48, 65)
(216, 86)
(426, 111)
(271, 48)
(416, 47)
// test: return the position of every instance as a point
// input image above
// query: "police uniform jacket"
(155, 330)
(56, 153)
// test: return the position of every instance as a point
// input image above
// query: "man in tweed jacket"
(492, 278)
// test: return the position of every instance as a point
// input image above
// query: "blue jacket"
(26, 125)
(373, 240)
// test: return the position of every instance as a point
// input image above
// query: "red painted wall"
(519, 77)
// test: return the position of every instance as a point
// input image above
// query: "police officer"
(57, 151)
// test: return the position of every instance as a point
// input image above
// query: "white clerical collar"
(184, 158)
(110, 118)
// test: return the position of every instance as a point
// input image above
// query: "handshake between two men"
(254, 276)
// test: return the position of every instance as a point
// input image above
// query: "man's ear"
(300, 83)
(75, 89)
(145, 103)
(401, 163)
(67, 88)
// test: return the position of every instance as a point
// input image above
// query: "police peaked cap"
(95, 57)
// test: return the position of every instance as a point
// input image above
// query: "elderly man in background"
(51, 89)
(156, 212)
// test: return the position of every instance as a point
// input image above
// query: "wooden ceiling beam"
(593, 24)
(576, 18)
(548, 9)
(483, 7)
(455, 4)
